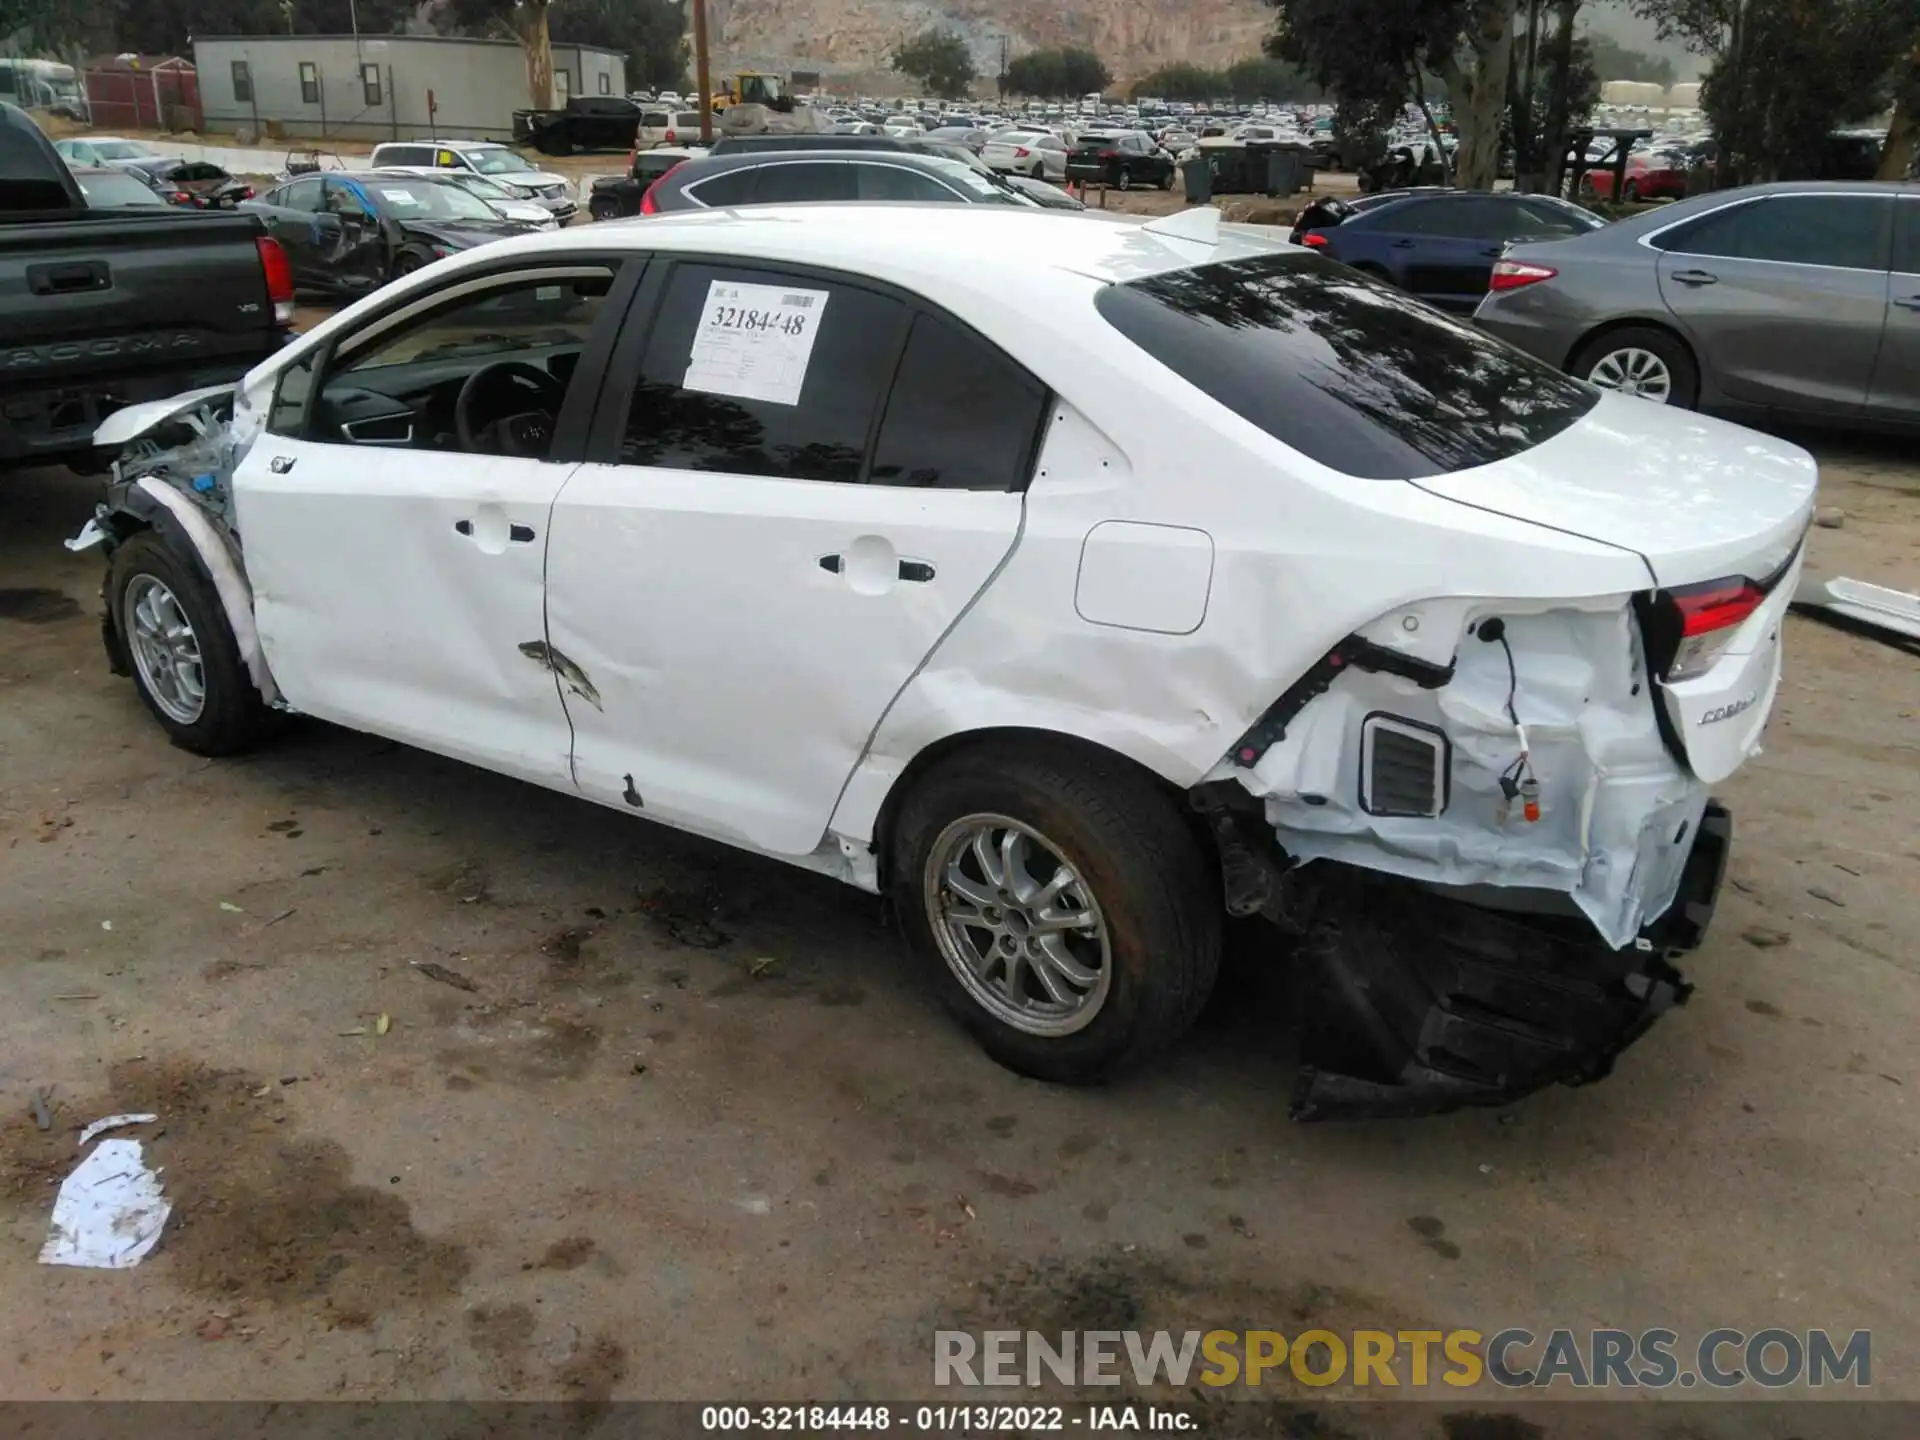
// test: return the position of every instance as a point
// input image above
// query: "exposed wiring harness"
(1517, 781)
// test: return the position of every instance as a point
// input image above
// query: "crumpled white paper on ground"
(109, 1212)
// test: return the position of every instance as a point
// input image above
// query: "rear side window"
(793, 183)
(1847, 232)
(752, 409)
(962, 416)
(734, 187)
(1906, 254)
(1343, 370)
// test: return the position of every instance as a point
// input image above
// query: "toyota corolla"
(1077, 586)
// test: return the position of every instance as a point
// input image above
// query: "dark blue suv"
(1439, 244)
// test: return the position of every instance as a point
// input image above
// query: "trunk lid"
(1697, 498)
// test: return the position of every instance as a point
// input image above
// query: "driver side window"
(484, 371)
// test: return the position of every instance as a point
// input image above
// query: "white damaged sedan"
(1078, 586)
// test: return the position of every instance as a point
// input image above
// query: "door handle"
(1695, 277)
(1403, 244)
(917, 572)
(516, 534)
(1912, 302)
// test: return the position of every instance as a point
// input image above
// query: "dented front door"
(399, 591)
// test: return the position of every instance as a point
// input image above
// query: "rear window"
(1343, 370)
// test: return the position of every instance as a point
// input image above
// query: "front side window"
(759, 372)
(300, 195)
(484, 372)
(309, 83)
(1847, 232)
(1346, 372)
(896, 182)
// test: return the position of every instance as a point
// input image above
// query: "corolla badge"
(1727, 712)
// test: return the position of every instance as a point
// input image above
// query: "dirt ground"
(666, 1121)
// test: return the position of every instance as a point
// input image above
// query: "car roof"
(904, 242)
(711, 164)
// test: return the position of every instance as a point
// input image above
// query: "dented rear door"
(776, 536)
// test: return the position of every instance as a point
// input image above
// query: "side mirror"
(326, 223)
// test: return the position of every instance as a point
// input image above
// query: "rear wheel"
(1631, 192)
(1061, 905)
(1642, 361)
(1126, 178)
(601, 208)
(1039, 172)
(186, 664)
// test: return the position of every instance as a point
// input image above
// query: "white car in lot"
(1077, 585)
(1039, 154)
(527, 212)
(498, 163)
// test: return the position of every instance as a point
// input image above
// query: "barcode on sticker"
(799, 302)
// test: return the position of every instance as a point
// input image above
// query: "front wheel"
(1166, 180)
(1643, 362)
(408, 261)
(186, 664)
(1061, 905)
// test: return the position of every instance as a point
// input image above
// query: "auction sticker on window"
(755, 341)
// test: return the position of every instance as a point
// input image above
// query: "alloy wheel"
(1633, 371)
(1018, 925)
(165, 650)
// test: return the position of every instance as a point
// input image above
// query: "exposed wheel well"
(1003, 737)
(1600, 332)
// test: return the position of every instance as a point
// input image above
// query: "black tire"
(1166, 180)
(1039, 172)
(1670, 348)
(1631, 192)
(233, 716)
(1142, 868)
(599, 209)
(1126, 178)
(408, 261)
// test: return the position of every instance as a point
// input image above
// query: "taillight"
(1518, 274)
(279, 277)
(648, 205)
(1688, 629)
(246, 192)
(1109, 154)
(672, 139)
(1019, 152)
(1313, 240)
(182, 197)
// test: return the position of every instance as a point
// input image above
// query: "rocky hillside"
(847, 37)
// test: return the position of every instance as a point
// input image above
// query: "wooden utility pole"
(702, 75)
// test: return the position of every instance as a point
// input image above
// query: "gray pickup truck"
(106, 306)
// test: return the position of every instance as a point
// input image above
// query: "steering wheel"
(524, 432)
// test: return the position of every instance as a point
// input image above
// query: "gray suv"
(1800, 300)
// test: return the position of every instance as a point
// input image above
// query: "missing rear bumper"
(1415, 1004)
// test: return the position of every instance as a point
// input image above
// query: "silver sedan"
(1798, 299)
